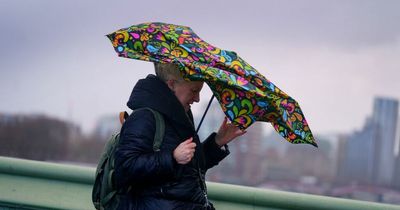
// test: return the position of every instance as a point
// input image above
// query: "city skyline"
(353, 165)
(369, 154)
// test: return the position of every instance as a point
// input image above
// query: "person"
(172, 178)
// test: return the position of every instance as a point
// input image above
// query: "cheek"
(188, 96)
(183, 95)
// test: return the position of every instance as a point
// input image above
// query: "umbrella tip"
(314, 144)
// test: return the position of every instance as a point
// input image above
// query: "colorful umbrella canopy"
(244, 94)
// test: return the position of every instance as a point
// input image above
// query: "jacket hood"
(152, 92)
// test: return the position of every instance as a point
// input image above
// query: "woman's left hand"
(227, 132)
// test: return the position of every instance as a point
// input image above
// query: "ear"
(171, 84)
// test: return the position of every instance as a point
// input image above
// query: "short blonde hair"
(168, 71)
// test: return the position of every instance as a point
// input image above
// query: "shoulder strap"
(160, 128)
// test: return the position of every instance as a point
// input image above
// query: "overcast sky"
(333, 57)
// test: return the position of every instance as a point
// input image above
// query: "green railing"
(26, 184)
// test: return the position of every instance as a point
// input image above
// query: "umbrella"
(244, 94)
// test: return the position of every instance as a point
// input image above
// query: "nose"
(196, 97)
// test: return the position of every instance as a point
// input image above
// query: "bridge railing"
(27, 184)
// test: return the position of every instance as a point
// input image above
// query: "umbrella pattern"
(244, 94)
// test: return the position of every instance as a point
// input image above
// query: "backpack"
(104, 192)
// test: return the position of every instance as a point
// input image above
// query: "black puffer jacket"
(158, 181)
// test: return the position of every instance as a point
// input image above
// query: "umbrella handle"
(202, 118)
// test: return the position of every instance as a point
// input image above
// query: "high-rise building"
(341, 155)
(396, 175)
(358, 158)
(368, 155)
(384, 117)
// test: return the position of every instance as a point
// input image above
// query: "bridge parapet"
(27, 184)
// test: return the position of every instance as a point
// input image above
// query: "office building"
(384, 117)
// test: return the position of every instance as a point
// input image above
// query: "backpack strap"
(160, 128)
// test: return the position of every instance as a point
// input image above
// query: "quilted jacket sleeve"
(135, 160)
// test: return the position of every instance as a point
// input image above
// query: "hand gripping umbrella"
(244, 94)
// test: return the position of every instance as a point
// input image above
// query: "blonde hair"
(168, 71)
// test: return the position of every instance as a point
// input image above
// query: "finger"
(189, 151)
(190, 157)
(241, 132)
(225, 120)
(188, 141)
(191, 145)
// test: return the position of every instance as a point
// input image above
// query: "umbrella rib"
(202, 118)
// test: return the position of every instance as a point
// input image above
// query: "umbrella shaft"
(204, 115)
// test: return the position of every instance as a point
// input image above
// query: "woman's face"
(187, 92)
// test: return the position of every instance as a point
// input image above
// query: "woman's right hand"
(184, 152)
